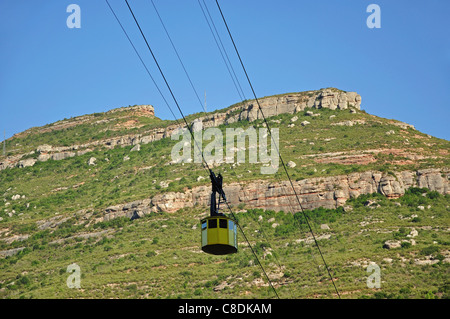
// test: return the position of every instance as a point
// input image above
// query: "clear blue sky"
(49, 72)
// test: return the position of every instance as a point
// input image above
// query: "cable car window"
(212, 223)
(222, 223)
(230, 224)
(204, 225)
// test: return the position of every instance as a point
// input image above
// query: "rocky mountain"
(315, 192)
(85, 179)
(283, 104)
(327, 192)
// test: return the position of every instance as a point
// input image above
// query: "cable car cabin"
(219, 232)
(219, 235)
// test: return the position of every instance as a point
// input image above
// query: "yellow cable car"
(219, 232)
(219, 235)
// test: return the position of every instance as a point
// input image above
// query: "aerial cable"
(276, 147)
(254, 253)
(223, 48)
(218, 188)
(263, 232)
(190, 130)
(279, 154)
(148, 72)
(221, 192)
(220, 50)
(178, 56)
(204, 162)
(142, 61)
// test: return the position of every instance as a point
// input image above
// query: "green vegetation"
(85, 129)
(158, 256)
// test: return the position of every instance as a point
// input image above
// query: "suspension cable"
(204, 162)
(142, 61)
(178, 55)
(148, 72)
(254, 253)
(279, 154)
(223, 48)
(220, 50)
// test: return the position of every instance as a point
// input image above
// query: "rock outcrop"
(146, 110)
(26, 162)
(328, 192)
(332, 99)
(297, 102)
(271, 106)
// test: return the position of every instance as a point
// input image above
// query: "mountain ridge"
(104, 193)
(291, 103)
(282, 107)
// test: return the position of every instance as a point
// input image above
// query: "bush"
(405, 291)
(320, 215)
(132, 287)
(413, 197)
(23, 281)
(260, 247)
(416, 191)
(433, 195)
(114, 223)
(24, 228)
(402, 232)
(285, 229)
(416, 220)
(430, 250)
(103, 241)
(362, 199)
(212, 283)
(406, 244)
(186, 273)
(430, 295)
(445, 290)
(198, 292)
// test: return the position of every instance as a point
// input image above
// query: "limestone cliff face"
(286, 103)
(249, 111)
(147, 110)
(297, 102)
(328, 192)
